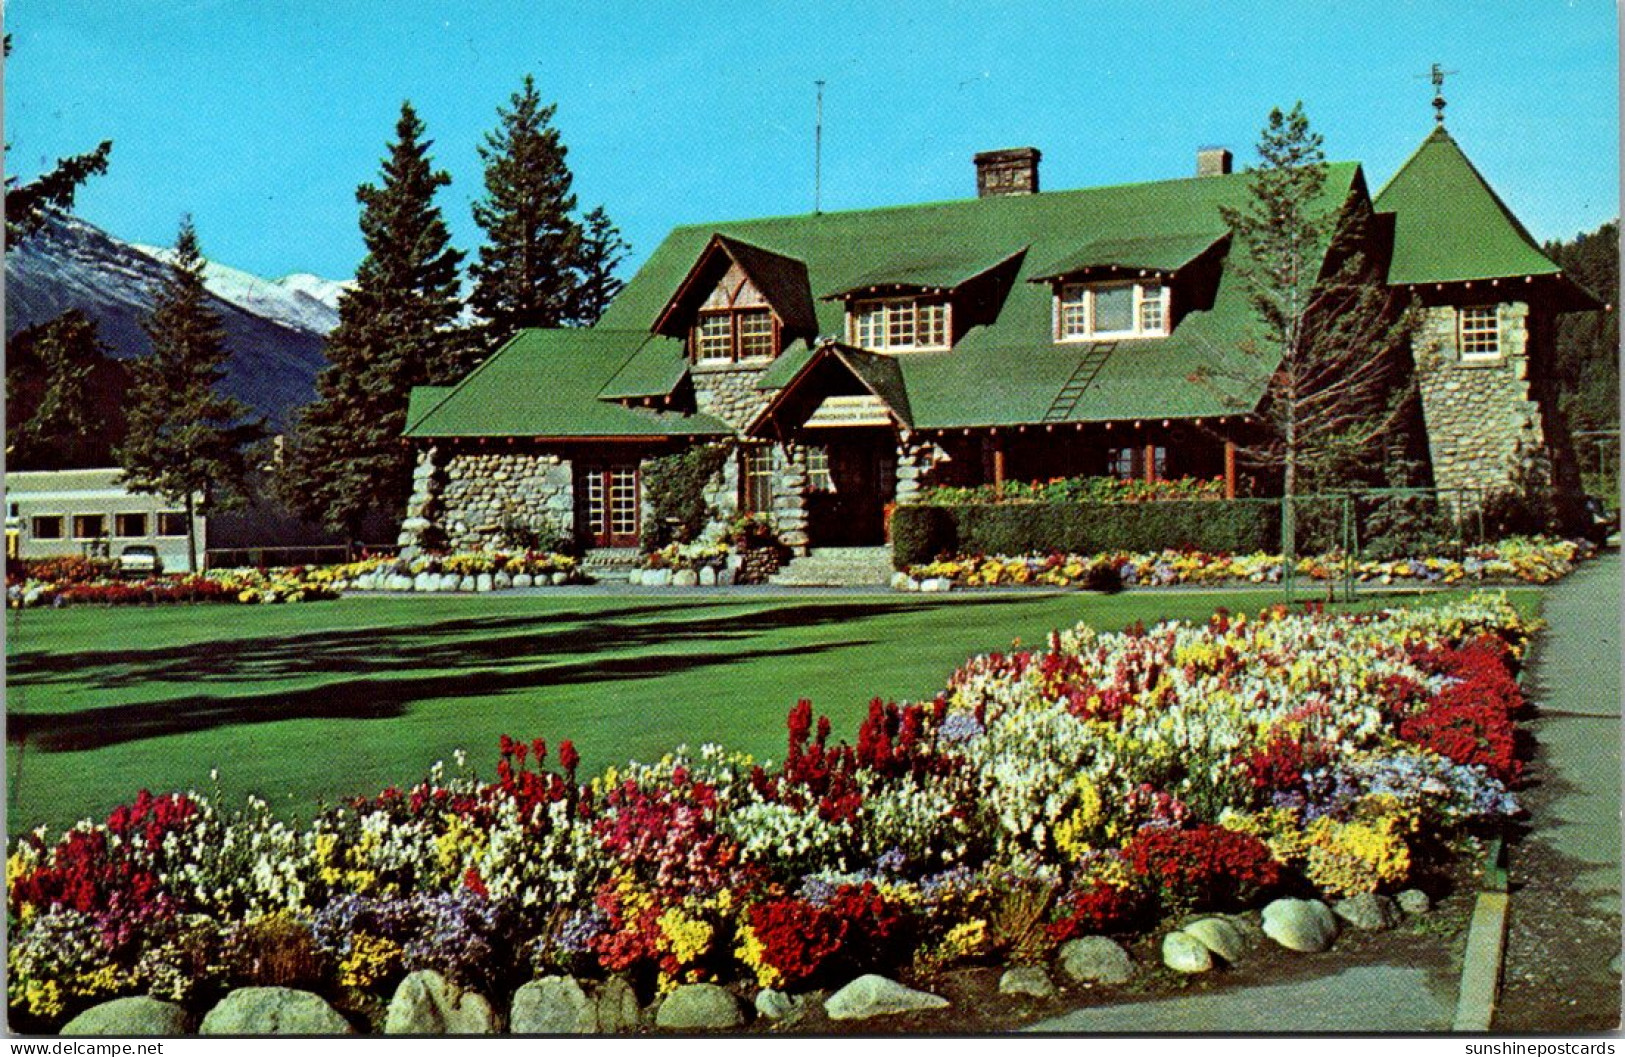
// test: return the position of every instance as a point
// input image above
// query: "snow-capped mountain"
(274, 329)
(301, 301)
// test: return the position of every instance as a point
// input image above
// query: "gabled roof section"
(781, 279)
(878, 375)
(545, 383)
(422, 400)
(655, 369)
(1162, 254)
(1451, 226)
(941, 269)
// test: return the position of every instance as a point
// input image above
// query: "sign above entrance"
(865, 410)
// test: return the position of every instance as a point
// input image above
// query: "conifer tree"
(397, 329)
(50, 407)
(1327, 333)
(602, 251)
(185, 440)
(28, 203)
(525, 276)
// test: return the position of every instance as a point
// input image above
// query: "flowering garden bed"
(1099, 785)
(1536, 560)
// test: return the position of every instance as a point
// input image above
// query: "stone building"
(846, 360)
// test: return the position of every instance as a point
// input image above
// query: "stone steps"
(838, 567)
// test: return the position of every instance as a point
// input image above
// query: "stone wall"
(729, 393)
(1485, 428)
(916, 461)
(485, 493)
(790, 495)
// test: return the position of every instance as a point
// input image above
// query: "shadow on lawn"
(380, 672)
(366, 698)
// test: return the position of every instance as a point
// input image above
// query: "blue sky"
(260, 117)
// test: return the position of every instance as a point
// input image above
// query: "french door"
(607, 497)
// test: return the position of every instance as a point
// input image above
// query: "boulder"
(502, 581)
(273, 1011)
(617, 1007)
(560, 579)
(130, 1016)
(1414, 901)
(1219, 936)
(426, 1003)
(685, 578)
(899, 581)
(876, 996)
(523, 580)
(635, 577)
(699, 1007)
(553, 1005)
(708, 577)
(449, 582)
(776, 1005)
(657, 578)
(1184, 953)
(484, 582)
(1368, 911)
(725, 578)
(1306, 925)
(424, 582)
(1026, 980)
(467, 583)
(1095, 960)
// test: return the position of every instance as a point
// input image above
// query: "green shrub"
(674, 486)
(920, 533)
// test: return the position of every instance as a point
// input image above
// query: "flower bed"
(245, 586)
(1097, 785)
(469, 571)
(1078, 490)
(1536, 560)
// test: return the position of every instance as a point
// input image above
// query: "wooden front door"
(607, 502)
(862, 480)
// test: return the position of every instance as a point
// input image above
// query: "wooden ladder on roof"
(1066, 401)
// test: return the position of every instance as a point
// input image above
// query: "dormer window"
(1088, 311)
(735, 324)
(900, 324)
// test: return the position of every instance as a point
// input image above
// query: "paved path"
(1565, 918)
(1364, 999)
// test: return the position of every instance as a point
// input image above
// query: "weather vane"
(1437, 76)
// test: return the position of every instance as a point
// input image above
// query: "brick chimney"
(1007, 172)
(1213, 161)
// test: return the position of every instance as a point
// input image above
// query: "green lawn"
(314, 702)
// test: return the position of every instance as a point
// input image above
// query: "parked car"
(1600, 524)
(140, 559)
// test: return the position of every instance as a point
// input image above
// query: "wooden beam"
(1230, 469)
(1150, 464)
(998, 468)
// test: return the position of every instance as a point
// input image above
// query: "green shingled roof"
(1165, 253)
(1010, 372)
(1450, 225)
(547, 383)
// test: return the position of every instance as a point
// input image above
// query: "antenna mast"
(818, 151)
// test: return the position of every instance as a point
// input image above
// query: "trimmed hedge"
(923, 533)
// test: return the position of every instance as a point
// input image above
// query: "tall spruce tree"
(397, 329)
(525, 276)
(185, 440)
(1327, 333)
(602, 251)
(50, 406)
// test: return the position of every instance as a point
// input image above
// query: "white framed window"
(756, 479)
(899, 323)
(89, 526)
(129, 526)
(1479, 332)
(735, 323)
(819, 478)
(1085, 311)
